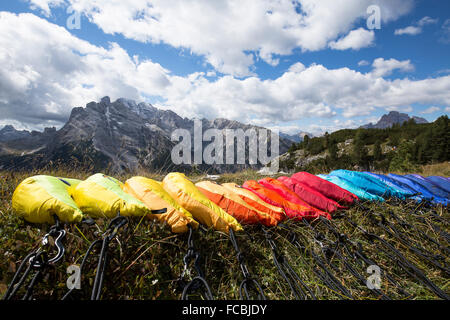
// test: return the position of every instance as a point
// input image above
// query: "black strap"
(249, 283)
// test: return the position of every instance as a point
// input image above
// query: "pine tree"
(377, 153)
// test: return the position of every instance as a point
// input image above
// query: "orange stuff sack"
(233, 204)
(277, 213)
(293, 210)
(153, 195)
(193, 200)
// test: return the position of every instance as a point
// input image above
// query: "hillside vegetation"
(401, 148)
(146, 258)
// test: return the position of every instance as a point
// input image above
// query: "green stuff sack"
(38, 198)
(102, 196)
(193, 200)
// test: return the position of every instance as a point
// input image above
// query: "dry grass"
(439, 169)
(146, 258)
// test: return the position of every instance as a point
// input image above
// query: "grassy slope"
(146, 259)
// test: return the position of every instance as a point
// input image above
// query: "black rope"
(83, 262)
(407, 226)
(37, 261)
(326, 275)
(418, 250)
(249, 283)
(436, 228)
(330, 252)
(406, 265)
(104, 243)
(198, 282)
(294, 281)
(114, 226)
(360, 254)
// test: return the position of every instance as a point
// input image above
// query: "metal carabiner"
(114, 226)
(58, 233)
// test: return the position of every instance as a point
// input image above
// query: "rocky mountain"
(296, 138)
(121, 135)
(393, 117)
(9, 133)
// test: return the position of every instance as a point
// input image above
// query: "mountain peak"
(106, 100)
(393, 117)
(9, 133)
(7, 128)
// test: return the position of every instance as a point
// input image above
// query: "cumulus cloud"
(46, 71)
(231, 34)
(382, 67)
(356, 39)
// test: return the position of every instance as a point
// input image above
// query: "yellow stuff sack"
(153, 195)
(102, 196)
(38, 198)
(193, 200)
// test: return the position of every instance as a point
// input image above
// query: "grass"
(146, 259)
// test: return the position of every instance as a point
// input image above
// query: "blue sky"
(308, 66)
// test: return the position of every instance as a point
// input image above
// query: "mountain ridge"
(122, 135)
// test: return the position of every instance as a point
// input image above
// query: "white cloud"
(447, 109)
(426, 21)
(46, 71)
(44, 5)
(417, 29)
(319, 129)
(445, 37)
(231, 34)
(363, 63)
(356, 39)
(411, 30)
(297, 67)
(431, 110)
(383, 67)
(313, 92)
(291, 129)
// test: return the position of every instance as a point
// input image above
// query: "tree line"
(403, 147)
